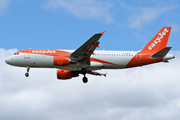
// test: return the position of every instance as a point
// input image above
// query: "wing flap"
(96, 73)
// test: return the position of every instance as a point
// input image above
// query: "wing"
(84, 52)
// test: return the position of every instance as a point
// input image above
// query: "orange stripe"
(101, 61)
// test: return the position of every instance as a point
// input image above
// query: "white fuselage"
(99, 60)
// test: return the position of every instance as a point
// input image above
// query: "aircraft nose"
(8, 60)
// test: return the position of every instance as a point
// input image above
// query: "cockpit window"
(16, 53)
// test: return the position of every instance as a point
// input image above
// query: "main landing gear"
(84, 71)
(27, 74)
(85, 79)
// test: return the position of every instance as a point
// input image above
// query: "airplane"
(85, 60)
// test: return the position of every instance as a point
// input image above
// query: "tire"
(27, 74)
(85, 79)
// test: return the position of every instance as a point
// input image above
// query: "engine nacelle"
(66, 74)
(61, 61)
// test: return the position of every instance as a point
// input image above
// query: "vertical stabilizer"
(159, 41)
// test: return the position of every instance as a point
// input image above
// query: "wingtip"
(102, 33)
(105, 74)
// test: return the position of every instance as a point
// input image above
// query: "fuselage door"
(138, 56)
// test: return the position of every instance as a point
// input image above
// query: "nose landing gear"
(84, 71)
(27, 74)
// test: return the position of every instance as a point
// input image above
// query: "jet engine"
(61, 61)
(66, 74)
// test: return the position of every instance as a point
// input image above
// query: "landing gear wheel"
(27, 74)
(85, 80)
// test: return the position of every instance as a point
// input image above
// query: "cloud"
(83, 9)
(146, 15)
(149, 92)
(143, 13)
(175, 27)
(3, 6)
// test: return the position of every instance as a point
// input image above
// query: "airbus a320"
(85, 60)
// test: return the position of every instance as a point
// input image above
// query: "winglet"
(105, 74)
(102, 33)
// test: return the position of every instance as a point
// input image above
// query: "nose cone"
(9, 60)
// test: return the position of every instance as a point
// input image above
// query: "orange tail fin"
(159, 41)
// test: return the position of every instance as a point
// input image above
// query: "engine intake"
(66, 74)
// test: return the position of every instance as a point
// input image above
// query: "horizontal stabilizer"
(162, 52)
